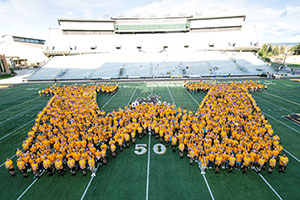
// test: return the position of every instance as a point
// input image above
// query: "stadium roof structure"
(150, 34)
(152, 24)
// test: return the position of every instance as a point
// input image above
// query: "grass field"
(151, 175)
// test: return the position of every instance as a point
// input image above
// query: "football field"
(148, 170)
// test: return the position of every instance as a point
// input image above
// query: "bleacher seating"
(142, 65)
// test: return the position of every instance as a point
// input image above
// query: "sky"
(276, 21)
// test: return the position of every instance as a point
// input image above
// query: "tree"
(282, 50)
(296, 49)
(276, 50)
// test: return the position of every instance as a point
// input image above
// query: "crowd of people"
(227, 131)
(234, 132)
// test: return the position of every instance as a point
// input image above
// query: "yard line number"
(141, 149)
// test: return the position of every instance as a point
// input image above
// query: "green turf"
(5, 76)
(170, 177)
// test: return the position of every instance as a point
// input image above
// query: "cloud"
(275, 21)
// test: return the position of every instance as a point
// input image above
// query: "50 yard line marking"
(148, 167)
(207, 185)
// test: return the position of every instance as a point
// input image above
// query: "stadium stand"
(98, 66)
(159, 48)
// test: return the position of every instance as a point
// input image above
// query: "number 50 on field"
(141, 149)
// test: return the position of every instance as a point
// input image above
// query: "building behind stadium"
(22, 52)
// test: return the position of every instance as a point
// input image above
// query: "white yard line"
(29, 187)
(132, 95)
(20, 113)
(283, 98)
(9, 158)
(5, 136)
(212, 196)
(18, 104)
(171, 97)
(270, 186)
(291, 155)
(192, 97)
(148, 167)
(87, 187)
(151, 89)
(109, 99)
(282, 123)
(273, 104)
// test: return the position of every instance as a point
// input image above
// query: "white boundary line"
(20, 113)
(151, 89)
(148, 167)
(87, 187)
(171, 96)
(270, 186)
(272, 103)
(19, 104)
(282, 123)
(29, 187)
(212, 196)
(109, 100)
(283, 98)
(9, 158)
(5, 136)
(132, 94)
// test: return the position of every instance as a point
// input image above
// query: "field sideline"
(151, 175)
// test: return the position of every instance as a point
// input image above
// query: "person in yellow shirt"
(82, 164)
(239, 159)
(272, 164)
(35, 169)
(261, 163)
(246, 163)
(174, 142)
(22, 168)
(113, 149)
(211, 158)
(218, 162)
(10, 167)
(181, 149)
(283, 161)
(71, 165)
(98, 156)
(91, 163)
(192, 156)
(133, 136)
(59, 167)
(47, 166)
(231, 163)
(203, 164)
